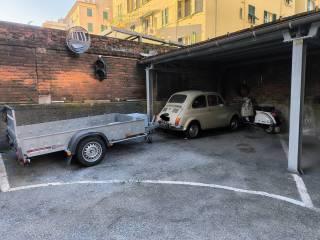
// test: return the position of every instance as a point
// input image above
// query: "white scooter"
(265, 117)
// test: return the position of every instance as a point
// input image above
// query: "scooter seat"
(264, 108)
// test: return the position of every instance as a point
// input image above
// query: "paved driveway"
(220, 186)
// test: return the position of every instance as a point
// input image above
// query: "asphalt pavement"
(221, 186)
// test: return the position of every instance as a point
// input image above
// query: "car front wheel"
(234, 123)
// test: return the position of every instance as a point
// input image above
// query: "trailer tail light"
(177, 122)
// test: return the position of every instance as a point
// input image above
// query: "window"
(120, 11)
(90, 27)
(241, 13)
(200, 102)
(146, 25)
(212, 100)
(187, 40)
(137, 4)
(132, 5)
(252, 14)
(265, 17)
(89, 12)
(179, 9)
(274, 17)
(311, 5)
(194, 38)
(289, 2)
(198, 6)
(220, 101)
(187, 8)
(103, 28)
(178, 98)
(129, 6)
(269, 17)
(105, 15)
(165, 17)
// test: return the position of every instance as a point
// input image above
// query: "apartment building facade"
(191, 21)
(60, 25)
(306, 5)
(94, 15)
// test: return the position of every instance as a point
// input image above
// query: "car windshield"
(178, 98)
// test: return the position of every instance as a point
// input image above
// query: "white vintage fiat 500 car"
(193, 111)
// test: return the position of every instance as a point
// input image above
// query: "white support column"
(149, 89)
(297, 104)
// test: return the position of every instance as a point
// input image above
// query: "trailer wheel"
(149, 139)
(91, 151)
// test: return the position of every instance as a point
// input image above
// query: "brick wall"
(270, 84)
(35, 61)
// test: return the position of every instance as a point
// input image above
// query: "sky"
(34, 12)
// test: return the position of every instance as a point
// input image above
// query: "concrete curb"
(4, 183)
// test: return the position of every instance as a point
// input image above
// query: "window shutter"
(274, 17)
(252, 10)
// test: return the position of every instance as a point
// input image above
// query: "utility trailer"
(85, 138)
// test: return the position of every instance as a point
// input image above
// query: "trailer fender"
(78, 137)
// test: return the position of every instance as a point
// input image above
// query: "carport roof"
(262, 39)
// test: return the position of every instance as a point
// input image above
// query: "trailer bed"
(44, 138)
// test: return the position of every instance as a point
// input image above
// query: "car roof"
(196, 92)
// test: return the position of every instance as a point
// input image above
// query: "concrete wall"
(190, 76)
(35, 61)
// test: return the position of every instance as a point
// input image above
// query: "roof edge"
(249, 33)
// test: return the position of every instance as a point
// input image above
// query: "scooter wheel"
(269, 129)
(277, 129)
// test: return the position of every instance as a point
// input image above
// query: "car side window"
(212, 100)
(220, 101)
(200, 102)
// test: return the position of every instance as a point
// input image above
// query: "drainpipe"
(244, 14)
(216, 19)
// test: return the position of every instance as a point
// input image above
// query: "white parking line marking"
(4, 183)
(302, 189)
(180, 183)
(284, 147)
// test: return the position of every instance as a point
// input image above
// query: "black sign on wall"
(100, 69)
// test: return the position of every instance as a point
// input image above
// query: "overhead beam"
(141, 36)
